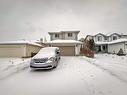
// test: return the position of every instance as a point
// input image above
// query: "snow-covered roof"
(101, 43)
(117, 33)
(66, 32)
(111, 42)
(117, 41)
(65, 41)
(19, 42)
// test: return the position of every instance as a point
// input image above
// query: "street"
(73, 76)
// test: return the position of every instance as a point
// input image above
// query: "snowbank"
(113, 64)
(9, 66)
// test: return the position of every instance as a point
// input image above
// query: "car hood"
(45, 55)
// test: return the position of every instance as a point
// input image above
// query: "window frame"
(114, 38)
(99, 38)
(70, 34)
(57, 35)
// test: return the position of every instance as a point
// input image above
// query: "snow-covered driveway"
(73, 76)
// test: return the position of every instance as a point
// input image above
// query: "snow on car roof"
(19, 42)
(65, 41)
(46, 52)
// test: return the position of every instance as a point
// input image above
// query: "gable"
(115, 34)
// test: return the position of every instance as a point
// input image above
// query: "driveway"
(73, 76)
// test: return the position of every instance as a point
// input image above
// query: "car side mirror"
(58, 52)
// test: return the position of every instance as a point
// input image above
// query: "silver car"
(46, 58)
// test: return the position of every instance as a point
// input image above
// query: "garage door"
(11, 52)
(67, 50)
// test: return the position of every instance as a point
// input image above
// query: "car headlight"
(32, 61)
(52, 59)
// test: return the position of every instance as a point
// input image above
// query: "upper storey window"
(114, 38)
(69, 34)
(56, 35)
(99, 38)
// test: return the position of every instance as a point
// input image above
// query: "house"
(19, 49)
(67, 41)
(104, 43)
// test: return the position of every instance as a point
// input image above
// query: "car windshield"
(45, 52)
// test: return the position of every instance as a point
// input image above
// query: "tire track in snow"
(106, 70)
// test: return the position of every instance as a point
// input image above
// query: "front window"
(114, 38)
(56, 35)
(105, 38)
(69, 34)
(99, 38)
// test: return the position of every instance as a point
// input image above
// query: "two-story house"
(109, 43)
(67, 41)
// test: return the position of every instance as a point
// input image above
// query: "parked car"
(46, 58)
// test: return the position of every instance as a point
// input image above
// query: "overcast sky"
(33, 19)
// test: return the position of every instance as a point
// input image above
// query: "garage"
(18, 49)
(67, 47)
(11, 51)
(67, 50)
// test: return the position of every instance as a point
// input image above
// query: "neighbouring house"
(20, 49)
(67, 41)
(107, 43)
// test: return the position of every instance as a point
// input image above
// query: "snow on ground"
(113, 64)
(73, 76)
(9, 66)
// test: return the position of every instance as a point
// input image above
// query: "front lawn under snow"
(113, 64)
(9, 66)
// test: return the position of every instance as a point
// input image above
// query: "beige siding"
(12, 50)
(31, 49)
